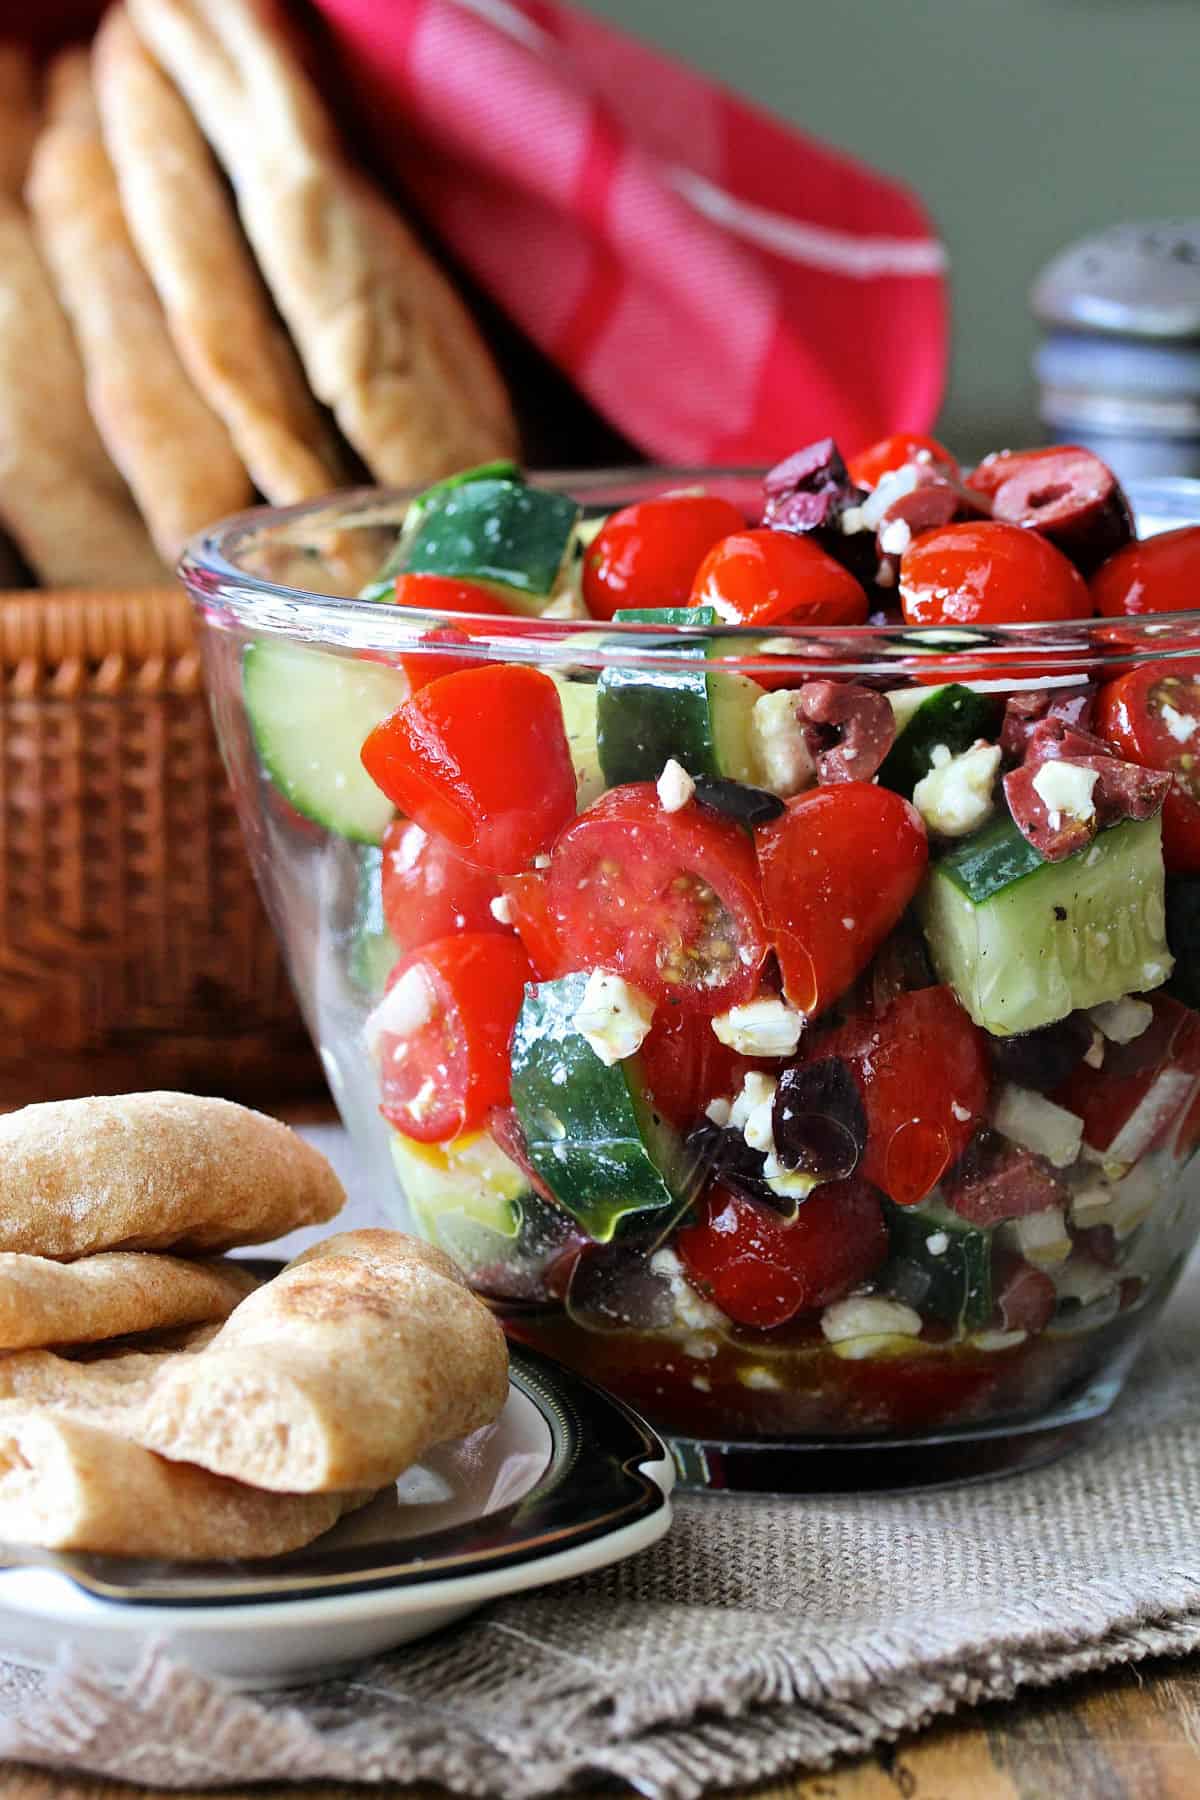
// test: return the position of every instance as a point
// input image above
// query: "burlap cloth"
(761, 1636)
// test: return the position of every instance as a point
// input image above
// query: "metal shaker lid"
(1139, 280)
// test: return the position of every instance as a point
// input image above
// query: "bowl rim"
(227, 593)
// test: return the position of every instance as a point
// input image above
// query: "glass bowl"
(973, 1292)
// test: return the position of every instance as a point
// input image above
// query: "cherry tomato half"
(443, 1074)
(482, 759)
(528, 896)
(428, 891)
(869, 466)
(838, 869)
(762, 1270)
(686, 1065)
(669, 900)
(922, 1068)
(989, 574)
(768, 577)
(1156, 575)
(648, 554)
(1151, 716)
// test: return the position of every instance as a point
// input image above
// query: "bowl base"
(893, 1465)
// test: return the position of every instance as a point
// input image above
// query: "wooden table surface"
(1128, 1735)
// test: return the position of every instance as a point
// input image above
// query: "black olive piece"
(1042, 1059)
(819, 1122)
(748, 805)
(725, 1156)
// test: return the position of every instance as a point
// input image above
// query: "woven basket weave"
(134, 952)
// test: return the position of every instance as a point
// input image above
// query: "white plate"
(567, 1480)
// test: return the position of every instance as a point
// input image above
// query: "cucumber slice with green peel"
(373, 954)
(469, 1182)
(1183, 935)
(955, 716)
(698, 714)
(665, 615)
(1023, 945)
(939, 1264)
(309, 713)
(590, 1129)
(579, 721)
(504, 469)
(500, 534)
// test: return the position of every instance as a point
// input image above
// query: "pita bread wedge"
(18, 115)
(218, 312)
(153, 1172)
(115, 1294)
(61, 499)
(172, 449)
(340, 1373)
(385, 340)
(67, 1485)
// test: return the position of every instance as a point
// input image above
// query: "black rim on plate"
(592, 1485)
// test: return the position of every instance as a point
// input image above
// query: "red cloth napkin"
(720, 286)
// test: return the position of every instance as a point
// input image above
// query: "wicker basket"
(134, 952)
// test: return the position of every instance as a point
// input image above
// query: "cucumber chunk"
(1025, 944)
(665, 615)
(309, 713)
(500, 534)
(579, 721)
(373, 954)
(952, 1280)
(953, 715)
(470, 1178)
(590, 1129)
(504, 469)
(696, 713)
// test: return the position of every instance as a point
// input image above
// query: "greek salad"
(794, 1049)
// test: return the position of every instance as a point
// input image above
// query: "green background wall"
(1022, 123)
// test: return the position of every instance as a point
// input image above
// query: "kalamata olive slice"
(809, 492)
(819, 1122)
(725, 1156)
(613, 1288)
(1066, 493)
(1025, 1296)
(1042, 1059)
(997, 1180)
(856, 728)
(748, 805)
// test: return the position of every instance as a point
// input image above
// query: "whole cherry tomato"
(762, 1270)
(923, 1071)
(430, 892)
(669, 900)
(443, 1057)
(988, 574)
(481, 758)
(890, 453)
(839, 866)
(1151, 716)
(1156, 575)
(648, 554)
(768, 577)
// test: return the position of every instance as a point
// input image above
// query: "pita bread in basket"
(385, 340)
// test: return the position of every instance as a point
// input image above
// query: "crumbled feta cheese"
(567, 603)
(756, 1375)
(501, 909)
(869, 1315)
(1091, 1203)
(1065, 788)
(895, 537)
(939, 756)
(758, 1130)
(789, 1184)
(675, 787)
(1029, 1119)
(852, 521)
(779, 744)
(613, 1015)
(1093, 1056)
(691, 1309)
(961, 1113)
(1122, 1020)
(1041, 1238)
(888, 489)
(404, 1009)
(541, 861)
(937, 1243)
(956, 796)
(719, 1112)
(1180, 725)
(760, 1028)
(756, 1090)
(1083, 1279)
(724, 609)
